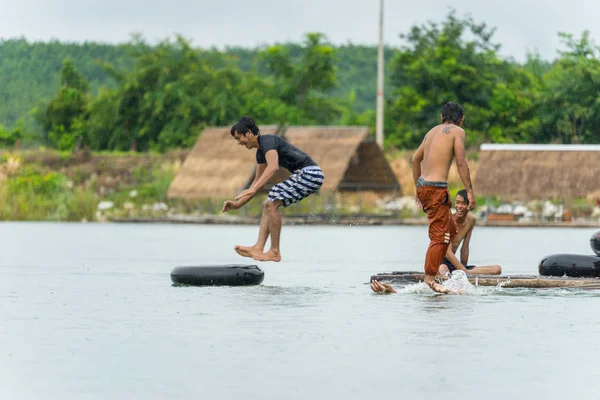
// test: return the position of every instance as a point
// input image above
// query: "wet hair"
(463, 193)
(452, 112)
(244, 125)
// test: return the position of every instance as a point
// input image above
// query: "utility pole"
(379, 114)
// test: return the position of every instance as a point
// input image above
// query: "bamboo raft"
(506, 281)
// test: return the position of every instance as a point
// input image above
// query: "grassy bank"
(55, 186)
(47, 185)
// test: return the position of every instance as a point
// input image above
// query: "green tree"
(9, 138)
(514, 106)
(452, 61)
(173, 92)
(64, 118)
(303, 80)
(30, 75)
(570, 106)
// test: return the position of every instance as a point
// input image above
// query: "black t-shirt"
(290, 157)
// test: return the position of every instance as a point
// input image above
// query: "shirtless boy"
(465, 222)
(431, 165)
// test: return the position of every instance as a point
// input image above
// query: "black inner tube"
(218, 275)
(573, 265)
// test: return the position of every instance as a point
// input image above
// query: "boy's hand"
(229, 205)
(381, 287)
(472, 201)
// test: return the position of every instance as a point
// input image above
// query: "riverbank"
(47, 185)
(357, 220)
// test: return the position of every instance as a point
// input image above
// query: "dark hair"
(452, 112)
(245, 125)
(463, 193)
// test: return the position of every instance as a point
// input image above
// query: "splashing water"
(458, 282)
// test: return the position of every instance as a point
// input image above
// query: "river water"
(89, 312)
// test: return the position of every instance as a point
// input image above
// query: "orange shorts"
(442, 229)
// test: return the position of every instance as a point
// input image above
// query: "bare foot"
(245, 251)
(270, 255)
(436, 287)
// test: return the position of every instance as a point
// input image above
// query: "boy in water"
(465, 222)
(271, 153)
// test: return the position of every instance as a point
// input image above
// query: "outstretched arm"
(416, 168)
(260, 169)
(464, 250)
(248, 194)
(270, 169)
(416, 161)
(455, 261)
(462, 166)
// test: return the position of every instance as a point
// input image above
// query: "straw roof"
(348, 158)
(217, 166)
(535, 172)
(331, 147)
(369, 170)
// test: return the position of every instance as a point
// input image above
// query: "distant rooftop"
(539, 147)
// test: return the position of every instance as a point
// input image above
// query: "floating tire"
(595, 243)
(574, 265)
(218, 275)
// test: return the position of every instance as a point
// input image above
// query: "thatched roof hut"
(216, 167)
(535, 172)
(350, 161)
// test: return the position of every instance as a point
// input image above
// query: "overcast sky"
(522, 25)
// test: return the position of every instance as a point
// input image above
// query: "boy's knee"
(432, 269)
(443, 270)
(270, 205)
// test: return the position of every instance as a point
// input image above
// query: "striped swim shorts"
(301, 184)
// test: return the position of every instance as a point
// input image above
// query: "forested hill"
(137, 96)
(30, 71)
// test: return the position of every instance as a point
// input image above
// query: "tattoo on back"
(447, 129)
